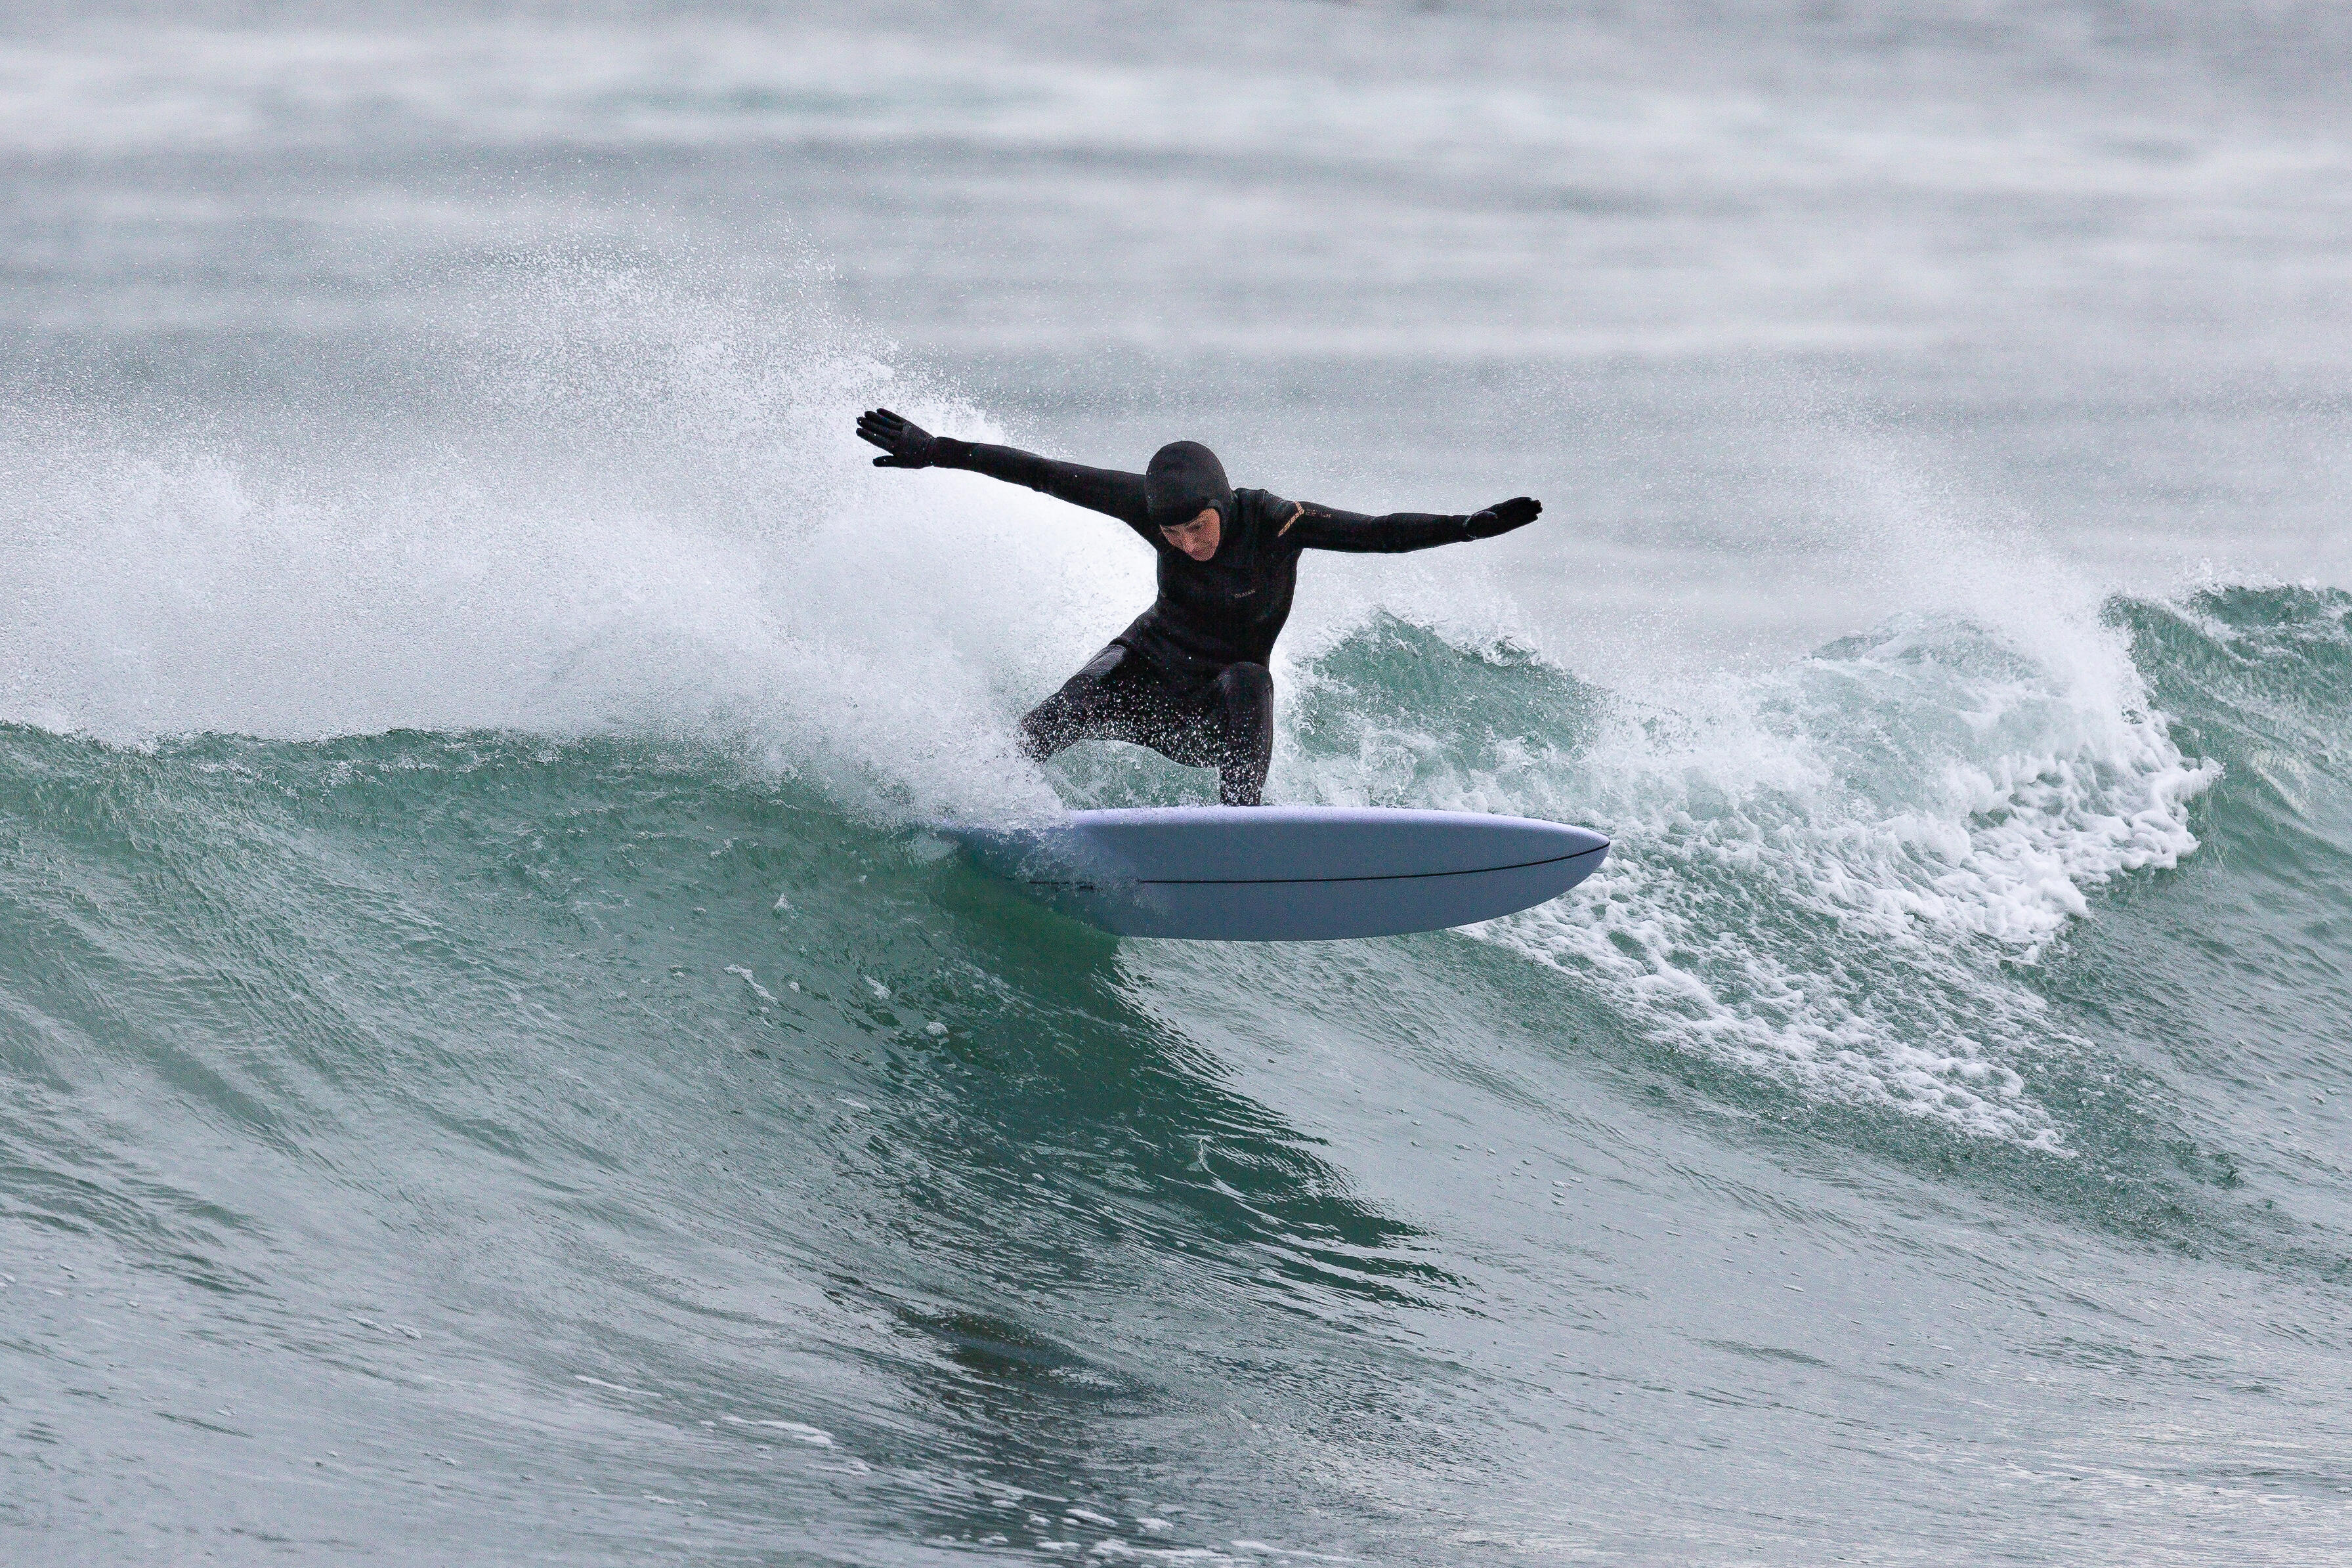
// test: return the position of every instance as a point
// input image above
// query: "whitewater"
(496, 1065)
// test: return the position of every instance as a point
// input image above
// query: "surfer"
(1189, 678)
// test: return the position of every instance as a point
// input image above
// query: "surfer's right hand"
(1502, 517)
(903, 444)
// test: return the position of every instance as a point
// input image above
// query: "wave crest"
(1830, 874)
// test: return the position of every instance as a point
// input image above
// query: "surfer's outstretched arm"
(907, 445)
(1326, 528)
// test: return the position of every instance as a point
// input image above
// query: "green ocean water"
(607, 1147)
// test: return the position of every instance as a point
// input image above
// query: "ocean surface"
(496, 1068)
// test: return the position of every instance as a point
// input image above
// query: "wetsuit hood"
(1184, 477)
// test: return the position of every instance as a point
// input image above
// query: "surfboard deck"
(1285, 873)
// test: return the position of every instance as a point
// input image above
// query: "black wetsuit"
(1189, 677)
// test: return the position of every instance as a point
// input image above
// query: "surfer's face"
(1197, 538)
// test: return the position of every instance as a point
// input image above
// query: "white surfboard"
(1285, 874)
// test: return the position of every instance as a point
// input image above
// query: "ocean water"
(496, 1068)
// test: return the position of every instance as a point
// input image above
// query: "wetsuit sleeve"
(1312, 527)
(1097, 489)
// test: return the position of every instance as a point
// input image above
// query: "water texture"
(495, 1066)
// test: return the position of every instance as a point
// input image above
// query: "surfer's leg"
(1245, 718)
(1083, 707)
(1122, 696)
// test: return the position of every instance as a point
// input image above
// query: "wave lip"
(1830, 875)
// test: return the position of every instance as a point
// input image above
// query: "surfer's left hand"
(1503, 517)
(904, 444)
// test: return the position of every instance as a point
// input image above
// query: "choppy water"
(493, 1068)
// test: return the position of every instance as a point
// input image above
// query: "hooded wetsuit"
(1188, 678)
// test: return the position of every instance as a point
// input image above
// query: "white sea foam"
(798, 1431)
(1820, 872)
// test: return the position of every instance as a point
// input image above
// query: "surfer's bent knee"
(1042, 735)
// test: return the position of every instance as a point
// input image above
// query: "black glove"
(1499, 518)
(904, 446)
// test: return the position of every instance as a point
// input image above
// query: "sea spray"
(644, 512)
